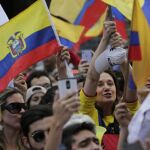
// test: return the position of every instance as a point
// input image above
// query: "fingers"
(70, 104)
(121, 110)
(109, 29)
(20, 80)
(69, 95)
(64, 54)
(109, 24)
(116, 40)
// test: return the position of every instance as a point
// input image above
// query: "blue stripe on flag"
(116, 13)
(66, 42)
(81, 14)
(134, 38)
(146, 10)
(32, 42)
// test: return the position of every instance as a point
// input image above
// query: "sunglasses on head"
(38, 136)
(14, 108)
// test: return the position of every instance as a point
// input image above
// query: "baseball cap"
(33, 90)
(79, 119)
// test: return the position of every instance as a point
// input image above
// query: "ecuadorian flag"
(140, 40)
(24, 40)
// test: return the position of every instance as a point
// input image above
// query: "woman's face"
(106, 89)
(9, 119)
(36, 98)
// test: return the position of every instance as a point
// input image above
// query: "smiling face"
(106, 89)
(13, 120)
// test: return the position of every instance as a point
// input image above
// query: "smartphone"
(87, 55)
(109, 14)
(67, 85)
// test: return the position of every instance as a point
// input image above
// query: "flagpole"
(68, 69)
(127, 66)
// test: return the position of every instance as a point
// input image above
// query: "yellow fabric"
(124, 6)
(141, 69)
(67, 30)
(100, 132)
(97, 28)
(87, 106)
(24, 22)
(133, 107)
(108, 119)
(68, 9)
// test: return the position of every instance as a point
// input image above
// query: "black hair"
(48, 98)
(74, 129)
(113, 127)
(113, 75)
(34, 114)
(36, 74)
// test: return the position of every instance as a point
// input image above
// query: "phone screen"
(87, 55)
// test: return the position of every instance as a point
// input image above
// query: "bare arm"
(62, 56)
(92, 76)
(123, 116)
(62, 109)
(131, 93)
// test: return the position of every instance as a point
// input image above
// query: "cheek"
(36, 145)
(99, 91)
(10, 119)
(114, 91)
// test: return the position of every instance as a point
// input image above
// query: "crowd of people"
(95, 116)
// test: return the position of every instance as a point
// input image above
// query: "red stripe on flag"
(135, 53)
(121, 28)
(27, 60)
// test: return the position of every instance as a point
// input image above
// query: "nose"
(22, 110)
(95, 146)
(46, 137)
(106, 86)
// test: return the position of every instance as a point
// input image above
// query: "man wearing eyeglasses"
(38, 122)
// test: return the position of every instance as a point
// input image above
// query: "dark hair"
(111, 73)
(36, 74)
(74, 129)
(34, 114)
(7, 93)
(48, 98)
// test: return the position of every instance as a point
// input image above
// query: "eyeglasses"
(39, 136)
(14, 108)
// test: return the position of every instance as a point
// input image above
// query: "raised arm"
(62, 111)
(93, 75)
(131, 89)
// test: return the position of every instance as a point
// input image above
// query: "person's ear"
(25, 142)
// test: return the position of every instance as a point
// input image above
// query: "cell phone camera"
(68, 84)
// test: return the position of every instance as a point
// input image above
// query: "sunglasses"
(39, 136)
(14, 108)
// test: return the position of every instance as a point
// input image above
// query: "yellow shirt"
(87, 106)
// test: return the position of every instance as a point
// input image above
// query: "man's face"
(38, 133)
(85, 140)
(41, 81)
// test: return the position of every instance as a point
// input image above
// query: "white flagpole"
(68, 69)
(3, 16)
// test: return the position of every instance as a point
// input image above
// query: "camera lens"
(68, 84)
